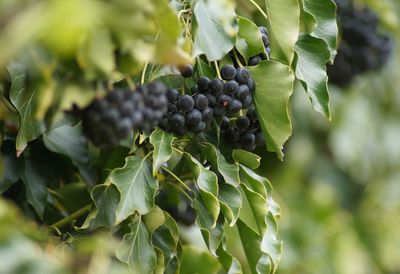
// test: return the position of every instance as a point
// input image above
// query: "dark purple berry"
(242, 75)
(172, 95)
(201, 101)
(231, 87)
(235, 106)
(203, 84)
(186, 70)
(207, 114)
(255, 60)
(185, 103)
(177, 121)
(216, 87)
(224, 100)
(193, 117)
(228, 72)
(242, 122)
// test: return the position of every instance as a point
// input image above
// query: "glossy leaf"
(247, 158)
(231, 202)
(283, 27)
(312, 56)
(136, 249)
(274, 83)
(213, 28)
(162, 143)
(136, 185)
(24, 101)
(214, 236)
(248, 39)
(194, 259)
(230, 263)
(8, 166)
(324, 13)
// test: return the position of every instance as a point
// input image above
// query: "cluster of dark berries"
(244, 132)
(362, 47)
(106, 121)
(255, 60)
(210, 98)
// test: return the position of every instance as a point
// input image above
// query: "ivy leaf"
(24, 101)
(35, 180)
(324, 13)
(229, 171)
(206, 199)
(246, 157)
(162, 143)
(136, 249)
(106, 199)
(8, 166)
(213, 236)
(231, 202)
(312, 55)
(70, 142)
(248, 39)
(136, 185)
(200, 261)
(214, 28)
(283, 27)
(230, 263)
(274, 83)
(72, 196)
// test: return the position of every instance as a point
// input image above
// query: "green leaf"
(8, 166)
(213, 236)
(231, 202)
(35, 180)
(196, 261)
(106, 199)
(136, 249)
(283, 27)
(324, 13)
(162, 143)
(274, 83)
(229, 171)
(230, 263)
(312, 55)
(205, 201)
(248, 39)
(70, 142)
(24, 101)
(136, 185)
(246, 157)
(72, 196)
(214, 28)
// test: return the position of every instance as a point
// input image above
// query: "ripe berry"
(172, 108)
(263, 30)
(242, 122)
(216, 87)
(203, 84)
(265, 40)
(207, 114)
(218, 111)
(242, 75)
(252, 114)
(199, 127)
(231, 87)
(186, 70)
(137, 119)
(123, 128)
(251, 84)
(260, 141)
(185, 103)
(235, 106)
(242, 92)
(111, 116)
(201, 101)
(212, 100)
(172, 95)
(193, 117)
(224, 101)
(177, 121)
(247, 140)
(247, 101)
(224, 123)
(255, 60)
(228, 72)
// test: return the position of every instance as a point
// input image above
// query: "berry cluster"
(362, 48)
(210, 98)
(245, 132)
(106, 121)
(255, 60)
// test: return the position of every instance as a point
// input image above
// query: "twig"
(71, 217)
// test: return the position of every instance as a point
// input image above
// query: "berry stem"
(71, 217)
(217, 70)
(237, 58)
(180, 189)
(259, 9)
(129, 82)
(176, 178)
(144, 72)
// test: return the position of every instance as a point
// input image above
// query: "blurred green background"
(339, 186)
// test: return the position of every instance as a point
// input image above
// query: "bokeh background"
(339, 186)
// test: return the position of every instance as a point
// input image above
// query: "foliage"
(117, 209)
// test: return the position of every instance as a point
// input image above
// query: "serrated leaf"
(206, 199)
(247, 158)
(230, 171)
(283, 27)
(136, 249)
(312, 56)
(24, 101)
(162, 143)
(231, 202)
(248, 39)
(70, 142)
(274, 86)
(214, 28)
(106, 199)
(136, 185)
(324, 13)
(194, 259)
